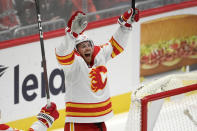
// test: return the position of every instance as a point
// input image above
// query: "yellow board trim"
(120, 104)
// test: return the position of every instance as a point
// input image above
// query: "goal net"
(165, 104)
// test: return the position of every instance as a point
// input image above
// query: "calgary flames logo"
(97, 82)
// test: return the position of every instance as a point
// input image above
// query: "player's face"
(85, 49)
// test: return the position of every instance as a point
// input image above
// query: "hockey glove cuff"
(48, 115)
(128, 18)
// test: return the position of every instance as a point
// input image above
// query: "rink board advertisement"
(22, 80)
(168, 41)
(21, 74)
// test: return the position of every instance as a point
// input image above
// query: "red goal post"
(160, 105)
(165, 94)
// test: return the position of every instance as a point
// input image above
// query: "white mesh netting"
(168, 114)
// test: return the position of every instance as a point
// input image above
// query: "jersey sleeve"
(65, 53)
(117, 43)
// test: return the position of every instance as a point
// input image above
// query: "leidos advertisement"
(22, 81)
(168, 43)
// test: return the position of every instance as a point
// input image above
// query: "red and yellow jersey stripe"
(66, 60)
(88, 109)
(117, 49)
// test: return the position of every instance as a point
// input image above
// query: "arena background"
(21, 76)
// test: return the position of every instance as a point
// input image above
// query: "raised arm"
(46, 117)
(65, 51)
(119, 40)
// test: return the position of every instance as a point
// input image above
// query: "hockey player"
(88, 103)
(46, 117)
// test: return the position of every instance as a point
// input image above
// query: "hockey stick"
(43, 52)
(133, 7)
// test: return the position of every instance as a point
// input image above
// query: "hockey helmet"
(82, 38)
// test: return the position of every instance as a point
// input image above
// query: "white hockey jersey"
(87, 95)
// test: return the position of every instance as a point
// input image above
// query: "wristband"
(48, 119)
